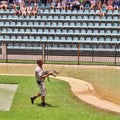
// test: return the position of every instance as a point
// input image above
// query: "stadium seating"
(83, 26)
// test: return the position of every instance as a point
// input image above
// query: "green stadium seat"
(10, 30)
(1, 38)
(78, 24)
(60, 24)
(107, 39)
(4, 30)
(4, 16)
(64, 31)
(71, 31)
(6, 38)
(80, 12)
(58, 31)
(38, 17)
(43, 38)
(102, 32)
(30, 23)
(7, 23)
(83, 32)
(28, 31)
(55, 17)
(101, 39)
(36, 23)
(77, 31)
(19, 38)
(53, 24)
(94, 39)
(69, 39)
(67, 17)
(115, 12)
(84, 24)
(66, 24)
(88, 39)
(72, 24)
(22, 30)
(31, 38)
(37, 39)
(109, 12)
(56, 39)
(48, 24)
(75, 39)
(108, 32)
(50, 17)
(25, 38)
(50, 38)
(1, 23)
(15, 30)
(40, 31)
(73, 17)
(25, 23)
(85, 17)
(52, 31)
(18, 23)
(79, 17)
(62, 39)
(46, 31)
(13, 38)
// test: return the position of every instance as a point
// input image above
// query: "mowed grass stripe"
(63, 105)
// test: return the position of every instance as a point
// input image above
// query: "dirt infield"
(86, 92)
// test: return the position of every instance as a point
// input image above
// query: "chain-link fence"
(56, 53)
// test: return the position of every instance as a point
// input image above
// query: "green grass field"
(62, 104)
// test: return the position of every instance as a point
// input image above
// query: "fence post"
(115, 54)
(43, 53)
(78, 54)
(4, 52)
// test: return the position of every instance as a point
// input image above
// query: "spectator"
(103, 10)
(34, 10)
(110, 5)
(53, 4)
(87, 4)
(93, 4)
(116, 5)
(11, 1)
(63, 4)
(44, 2)
(3, 5)
(81, 4)
(29, 10)
(58, 4)
(17, 9)
(69, 4)
(98, 4)
(23, 10)
(75, 5)
(32, 1)
(22, 3)
(119, 3)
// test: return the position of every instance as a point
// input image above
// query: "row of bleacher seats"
(60, 38)
(59, 31)
(67, 27)
(82, 47)
(57, 24)
(55, 17)
(57, 11)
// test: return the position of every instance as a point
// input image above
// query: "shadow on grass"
(47, 105)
